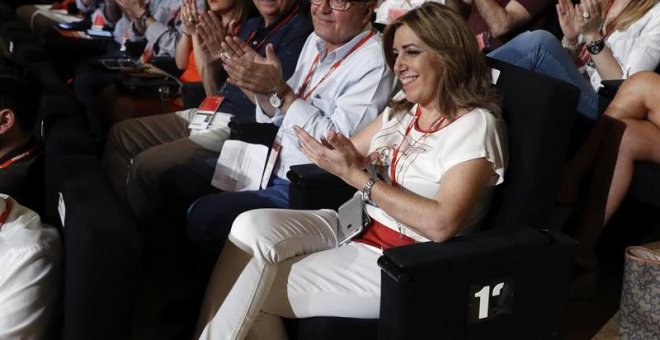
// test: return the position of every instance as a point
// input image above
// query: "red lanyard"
(274, 30)
(17, 158)
(312, 68)
(395, 154)
(5, 214)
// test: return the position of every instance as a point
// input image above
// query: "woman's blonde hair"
(466, 80)
(633, 12)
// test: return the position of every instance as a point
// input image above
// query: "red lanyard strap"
(274, 30)
(5, 214)
(335, 66)
(17, 158)
(396, 152)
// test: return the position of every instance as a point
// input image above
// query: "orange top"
(191, 74)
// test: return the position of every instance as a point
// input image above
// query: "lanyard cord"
(274, 30)
(335, 66)
(5, 214)
(17, 158)
(396, 152)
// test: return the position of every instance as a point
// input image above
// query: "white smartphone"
(352, 219)
(98, 33)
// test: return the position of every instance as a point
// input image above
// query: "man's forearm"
(496, 17)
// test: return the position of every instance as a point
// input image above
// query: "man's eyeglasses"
(338, 5)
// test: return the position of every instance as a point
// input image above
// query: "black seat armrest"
(314, 188)
(430, 286)
(192, 94)
(167, 64)
(252, 132)
(609, 88)
(310, 176)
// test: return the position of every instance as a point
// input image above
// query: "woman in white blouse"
(603, 39)
(434, 157)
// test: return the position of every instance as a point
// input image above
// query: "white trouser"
(286, 263)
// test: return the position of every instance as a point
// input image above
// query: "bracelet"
(366, 190)
(571, 48)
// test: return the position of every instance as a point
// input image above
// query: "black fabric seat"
(539, 112)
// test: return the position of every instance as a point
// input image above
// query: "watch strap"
(366, 190)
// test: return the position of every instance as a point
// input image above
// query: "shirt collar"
(341, 51)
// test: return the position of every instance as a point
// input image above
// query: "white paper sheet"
(240, 166)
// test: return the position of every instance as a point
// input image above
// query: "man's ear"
(7, 120)
(369, 11)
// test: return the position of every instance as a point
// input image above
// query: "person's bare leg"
(638, 104)
(616, 157)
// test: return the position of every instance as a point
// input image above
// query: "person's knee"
(245, 230)
(118, 144)
(538, 39)
(641, 84)
(251, 232)
(632, 97)
(145, 170)
(525, 49)
(116, 134)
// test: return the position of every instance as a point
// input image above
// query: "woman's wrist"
(357, 179)
(570, 45)
(592, 36)
(566, 41)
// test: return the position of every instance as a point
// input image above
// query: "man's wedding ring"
(224, 55)
(586, 15)
(191, 21)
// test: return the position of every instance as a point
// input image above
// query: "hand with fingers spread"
(250, 71)
(335, 154)
(568, 20)
(590, 20)
(189, 17)
(212, 31)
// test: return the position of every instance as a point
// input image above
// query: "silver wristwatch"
(366, 190)
(275, 100)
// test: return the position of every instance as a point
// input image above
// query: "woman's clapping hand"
(335, 154)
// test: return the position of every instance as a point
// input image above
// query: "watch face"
(275, 100)
(596, 46)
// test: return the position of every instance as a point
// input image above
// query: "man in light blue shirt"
(341, 83)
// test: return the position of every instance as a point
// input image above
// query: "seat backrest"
(539, 112)
(103, 253)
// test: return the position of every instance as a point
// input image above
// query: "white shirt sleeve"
(481, 135)
(353, 107)
(30, 269)
(645, 52)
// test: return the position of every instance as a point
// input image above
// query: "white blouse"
(636, 49)
(424, 157)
